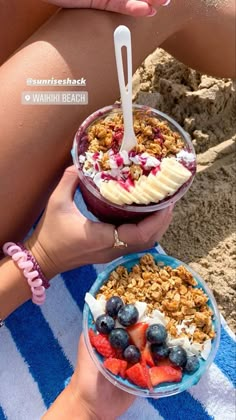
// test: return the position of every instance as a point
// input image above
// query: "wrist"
(47, 266)
(86, 412)
(68, 406)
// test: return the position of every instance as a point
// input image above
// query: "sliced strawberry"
(146, 373)
(147, 356)
(159, 374)
(116, 366)
(137, 334)
(123, 367)
(137, 375)
(103, 346)
(91, 334)
(165, 362)
(113, 365)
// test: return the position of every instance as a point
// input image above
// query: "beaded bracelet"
(27, 263)
(36, 267)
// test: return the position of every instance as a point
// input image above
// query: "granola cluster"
(154, 137)
(172, 291)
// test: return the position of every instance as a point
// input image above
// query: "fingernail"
(152, 12)
(166, 3)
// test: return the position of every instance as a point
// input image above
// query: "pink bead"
(20, 257)
(27, 268)
(8, 247)
(32, 275)
(35, 283)
(38, 300)
(38, 291)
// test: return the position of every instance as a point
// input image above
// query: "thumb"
(65, 190)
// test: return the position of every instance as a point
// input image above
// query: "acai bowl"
(120, 187)
(151, 325)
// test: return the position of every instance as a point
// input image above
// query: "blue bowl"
(165, 389)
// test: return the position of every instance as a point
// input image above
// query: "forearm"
(68, 406)
(14, 289)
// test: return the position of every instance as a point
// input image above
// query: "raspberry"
(102, 345)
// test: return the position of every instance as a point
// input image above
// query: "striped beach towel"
(38, 349)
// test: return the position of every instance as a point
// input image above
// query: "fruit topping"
(113, 305)
(138, 334)
(159, 351)
(178, 356)
(116, 366)
(119, 338)
(165, 362)
(138, 375)
(160, 374)
(132, 354)
(113, 365)
(192, 364)
(147, 356)
(91, 334)
(103, 346)
(156, 334)
(128, 315)
(105, 324)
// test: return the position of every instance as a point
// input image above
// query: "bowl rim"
(171, 389)
(131, 208)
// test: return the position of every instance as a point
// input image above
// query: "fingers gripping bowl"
(151, 325)
(125, 187)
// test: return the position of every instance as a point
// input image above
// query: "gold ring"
(117, 242)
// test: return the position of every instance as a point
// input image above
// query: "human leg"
(18, 20)
(75, 44)
(36, 140)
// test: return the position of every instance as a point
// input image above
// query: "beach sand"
(202, 233)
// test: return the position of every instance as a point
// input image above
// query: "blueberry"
(128, 315)
(192, 364)
(105, 324)
(156, 334)
(159, 351)
(132, 354)
(178, 356)
(113, 306)
(119, 338)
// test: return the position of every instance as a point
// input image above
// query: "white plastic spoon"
(122, 38)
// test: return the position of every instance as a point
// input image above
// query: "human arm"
(87, 395)
(126, 7)
(64, 239)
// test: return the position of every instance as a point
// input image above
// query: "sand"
(202, 233)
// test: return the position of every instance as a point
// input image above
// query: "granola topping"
(156, 168)
(170, 294)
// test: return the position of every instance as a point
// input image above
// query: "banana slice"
(139, 195)
(152, 190)
(174, 170)
(162, 187)
(148, 189)
(108, 191)
(123, 195)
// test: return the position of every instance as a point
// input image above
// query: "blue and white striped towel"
(38, 348)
